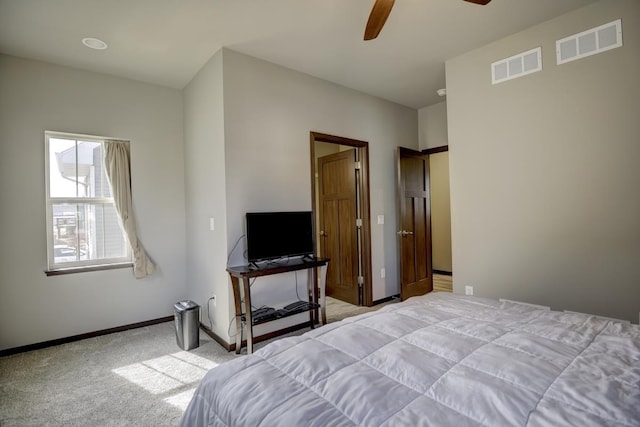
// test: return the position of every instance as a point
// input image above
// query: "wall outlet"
(383, 273)
(468, 290)
(212, 224)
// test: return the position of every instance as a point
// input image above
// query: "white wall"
(432, 124)
(36, 97)
(544, 170)
(269, 112)
(246, 147)
(206, 195)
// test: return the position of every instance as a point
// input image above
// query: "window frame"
(54, 268)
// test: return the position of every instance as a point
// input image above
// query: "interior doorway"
(440, 210)
(341, 214)
(440, 218)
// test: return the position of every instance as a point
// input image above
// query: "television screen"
(278, 234)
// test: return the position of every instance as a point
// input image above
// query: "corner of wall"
(206, 200)
(432, 126)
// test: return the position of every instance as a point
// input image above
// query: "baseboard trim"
(59, 341)
(217, 338)
(259, 338)
(444, 273)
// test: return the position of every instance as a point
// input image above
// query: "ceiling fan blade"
(377, 18)
(482, 2)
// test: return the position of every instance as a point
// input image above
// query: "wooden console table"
(316, 292)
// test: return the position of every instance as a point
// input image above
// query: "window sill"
(72, 270)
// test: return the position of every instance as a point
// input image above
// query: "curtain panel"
(118, 168)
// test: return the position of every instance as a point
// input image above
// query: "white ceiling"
(167, 41)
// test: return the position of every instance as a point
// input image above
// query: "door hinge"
(358, 166)
(359, 222)
(360, 280)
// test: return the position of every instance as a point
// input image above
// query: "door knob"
(404, 233)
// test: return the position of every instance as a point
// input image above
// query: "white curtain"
(118, 167)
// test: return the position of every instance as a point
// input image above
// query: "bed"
(437, 360)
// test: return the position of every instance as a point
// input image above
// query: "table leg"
(322, 277)
(311, 295)
(247, 311)
(235, 285)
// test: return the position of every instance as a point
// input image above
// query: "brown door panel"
(330, 247)
(420, 236)
(337, 182)
(415, 224)
(348, 251)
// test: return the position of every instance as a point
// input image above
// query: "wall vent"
(516, 66)
(587, 43)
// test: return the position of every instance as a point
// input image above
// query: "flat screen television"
(272, 235)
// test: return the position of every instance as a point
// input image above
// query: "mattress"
(437, 360)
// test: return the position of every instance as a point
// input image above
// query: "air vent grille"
(516, 66)
(590, 42)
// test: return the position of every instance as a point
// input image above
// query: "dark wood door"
(414, 224)
(338, 230)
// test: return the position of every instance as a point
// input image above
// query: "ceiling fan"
(380, 13)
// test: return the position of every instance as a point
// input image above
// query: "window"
(83, 229)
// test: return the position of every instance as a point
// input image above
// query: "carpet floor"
(138, 377)
(134, 378)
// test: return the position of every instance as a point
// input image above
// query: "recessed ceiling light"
(94, 43)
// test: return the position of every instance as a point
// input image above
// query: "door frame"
(435, 150)
(428, 152)
(362, 148)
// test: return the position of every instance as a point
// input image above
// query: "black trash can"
(187, 320)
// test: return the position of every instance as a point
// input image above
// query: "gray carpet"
(134, 378)
(138, 377)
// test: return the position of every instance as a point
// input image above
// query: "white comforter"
(436, 360)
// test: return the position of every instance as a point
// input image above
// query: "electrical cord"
(209, 313)
(229, 328)
(281, 259)
(243, 322)
(234, 248)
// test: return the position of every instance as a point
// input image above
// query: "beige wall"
(247, 125)
(544, 170)
(432, 126)
(244, 146)
(35, 97)
(440, 211)
(205, 195)
(269, 112)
